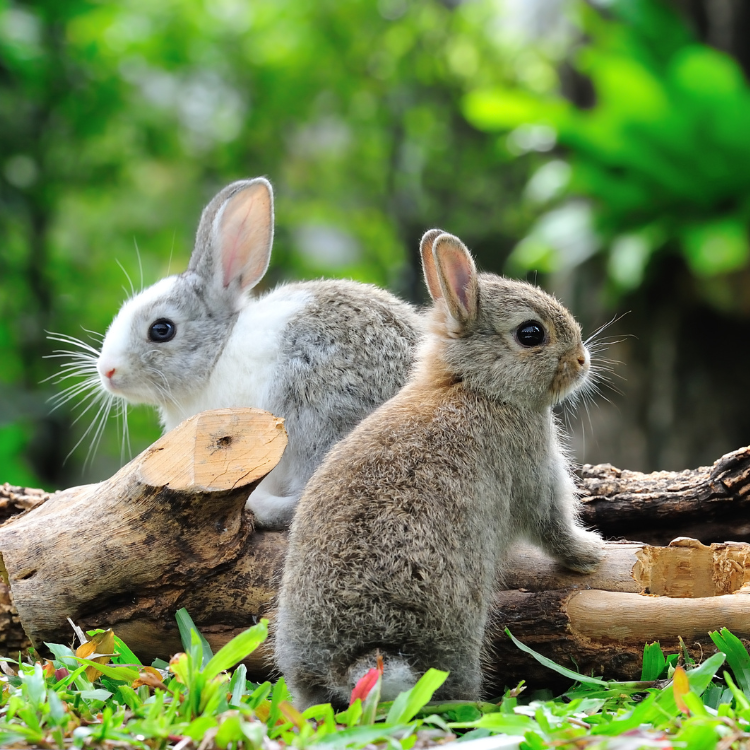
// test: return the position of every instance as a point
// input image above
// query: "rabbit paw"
(585, 552)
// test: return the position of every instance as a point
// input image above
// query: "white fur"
(117, 345)
(244, 371)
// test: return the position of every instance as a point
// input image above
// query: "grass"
(102, 696)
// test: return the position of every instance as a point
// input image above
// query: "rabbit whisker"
(604, 327)
(140, 263)
(64, 339)
(127, 276)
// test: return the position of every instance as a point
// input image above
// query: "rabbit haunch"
(400, 535)
(322, 354)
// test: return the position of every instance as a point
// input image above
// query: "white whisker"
(127, 276)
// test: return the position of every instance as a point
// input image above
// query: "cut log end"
(214, 451)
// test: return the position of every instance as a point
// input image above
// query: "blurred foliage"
(661, 160)
(374, 121)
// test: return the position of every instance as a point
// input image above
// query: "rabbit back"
(341, 354)
(399, 528)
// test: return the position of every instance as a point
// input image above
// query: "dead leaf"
(292, 714)
(99, 649)
(150, 677)
(680, 687)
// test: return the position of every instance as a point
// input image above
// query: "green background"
(601, 149)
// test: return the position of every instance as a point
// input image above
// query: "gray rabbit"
(399, 536)
(321, 354)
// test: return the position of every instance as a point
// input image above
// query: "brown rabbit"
(400, 534)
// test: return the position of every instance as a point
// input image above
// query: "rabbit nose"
(111, 372)
(581, 361)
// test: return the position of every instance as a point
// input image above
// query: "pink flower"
(367, 682)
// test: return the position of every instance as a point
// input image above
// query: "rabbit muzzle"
(572, 372)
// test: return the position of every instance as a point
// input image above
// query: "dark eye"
(162, 330)
(530, 333)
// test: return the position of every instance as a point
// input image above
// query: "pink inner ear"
(245, 237)
(461, 284)
(458, 277)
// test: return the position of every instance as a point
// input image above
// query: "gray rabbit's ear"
(236, 234)
(457, 276)
(428, 262)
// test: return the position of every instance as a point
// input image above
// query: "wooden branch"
(148, 536)
(599, 623)
(170, 530)
(710, 503)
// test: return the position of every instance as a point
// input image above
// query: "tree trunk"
(170, 530)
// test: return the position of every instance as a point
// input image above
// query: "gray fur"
(345, 353)
(321, 354)
(400, 535)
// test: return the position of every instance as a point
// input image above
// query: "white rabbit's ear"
(457, 275)
(242, 234)
(235, 235)
(428, 262)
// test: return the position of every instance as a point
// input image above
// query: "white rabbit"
(321, 354)
(400, 535)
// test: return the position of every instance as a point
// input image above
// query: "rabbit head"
(505, 338)
(164, 342)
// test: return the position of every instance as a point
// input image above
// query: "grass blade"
(237, 649)
(556, 667)
(407, 704)
(185, 624)
(737, 656)
(654, 662)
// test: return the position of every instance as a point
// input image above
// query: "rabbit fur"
(399, 537)
(321, 354)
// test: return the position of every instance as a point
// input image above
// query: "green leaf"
(699, 679)
(407, 704)
(197, 728)
(654, 662)
(126, 674)
(238, 685)
(237, 649)
(737, 656)
(185, 625)
(716, 247)
(124, 654)
(358, 736)
(556, 667)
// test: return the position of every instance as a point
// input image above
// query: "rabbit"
(321, 354)
(398, 540)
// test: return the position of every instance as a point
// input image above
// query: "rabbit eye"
(162, 330)
(530, 333)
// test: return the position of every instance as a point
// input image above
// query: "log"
(599, 623)
(142, 544)
(170, 530)
(710, 503)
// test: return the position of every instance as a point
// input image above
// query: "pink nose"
(110, 373)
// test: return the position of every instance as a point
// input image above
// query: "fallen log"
(158, 535)
(710, 503)
(170, 530)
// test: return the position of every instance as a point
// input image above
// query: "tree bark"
(710, 503)
(170, 530)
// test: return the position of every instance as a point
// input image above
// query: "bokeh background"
(601, 149)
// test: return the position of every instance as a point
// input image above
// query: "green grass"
(102, 696)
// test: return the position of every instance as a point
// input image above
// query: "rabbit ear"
(457, 275)
(236, 234)
(428, 262)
